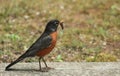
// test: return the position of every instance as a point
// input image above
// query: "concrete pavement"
(64, 69)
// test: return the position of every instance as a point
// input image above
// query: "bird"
(42, 46)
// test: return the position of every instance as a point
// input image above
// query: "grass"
(91, 29)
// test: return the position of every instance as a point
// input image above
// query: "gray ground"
(64, 69)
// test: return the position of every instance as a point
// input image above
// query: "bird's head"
(53, 24)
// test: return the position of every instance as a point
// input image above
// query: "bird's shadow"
(23, 70)
(28, 70)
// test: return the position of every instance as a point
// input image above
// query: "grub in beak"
(61, 24)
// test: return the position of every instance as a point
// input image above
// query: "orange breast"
(50, 48)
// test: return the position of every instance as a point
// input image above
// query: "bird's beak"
(61, 24)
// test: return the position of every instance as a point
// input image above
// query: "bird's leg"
(46, 66)
(40, 64)
(40, 67)
(44, 62)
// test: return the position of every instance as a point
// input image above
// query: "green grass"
(91, 28)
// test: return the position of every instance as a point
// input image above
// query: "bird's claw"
(46, 69)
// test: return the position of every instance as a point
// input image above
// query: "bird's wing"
(43, 42)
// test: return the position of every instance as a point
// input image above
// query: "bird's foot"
(46, 69)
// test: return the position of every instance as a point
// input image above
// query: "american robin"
(43, 45)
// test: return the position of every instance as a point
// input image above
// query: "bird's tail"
(14, 62)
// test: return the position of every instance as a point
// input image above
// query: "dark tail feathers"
(16, 61)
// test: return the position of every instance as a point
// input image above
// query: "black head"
(52, 25)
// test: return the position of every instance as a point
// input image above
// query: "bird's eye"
(56, 23)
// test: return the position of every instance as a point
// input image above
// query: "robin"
(43, 45)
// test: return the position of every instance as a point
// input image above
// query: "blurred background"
(91, 34)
